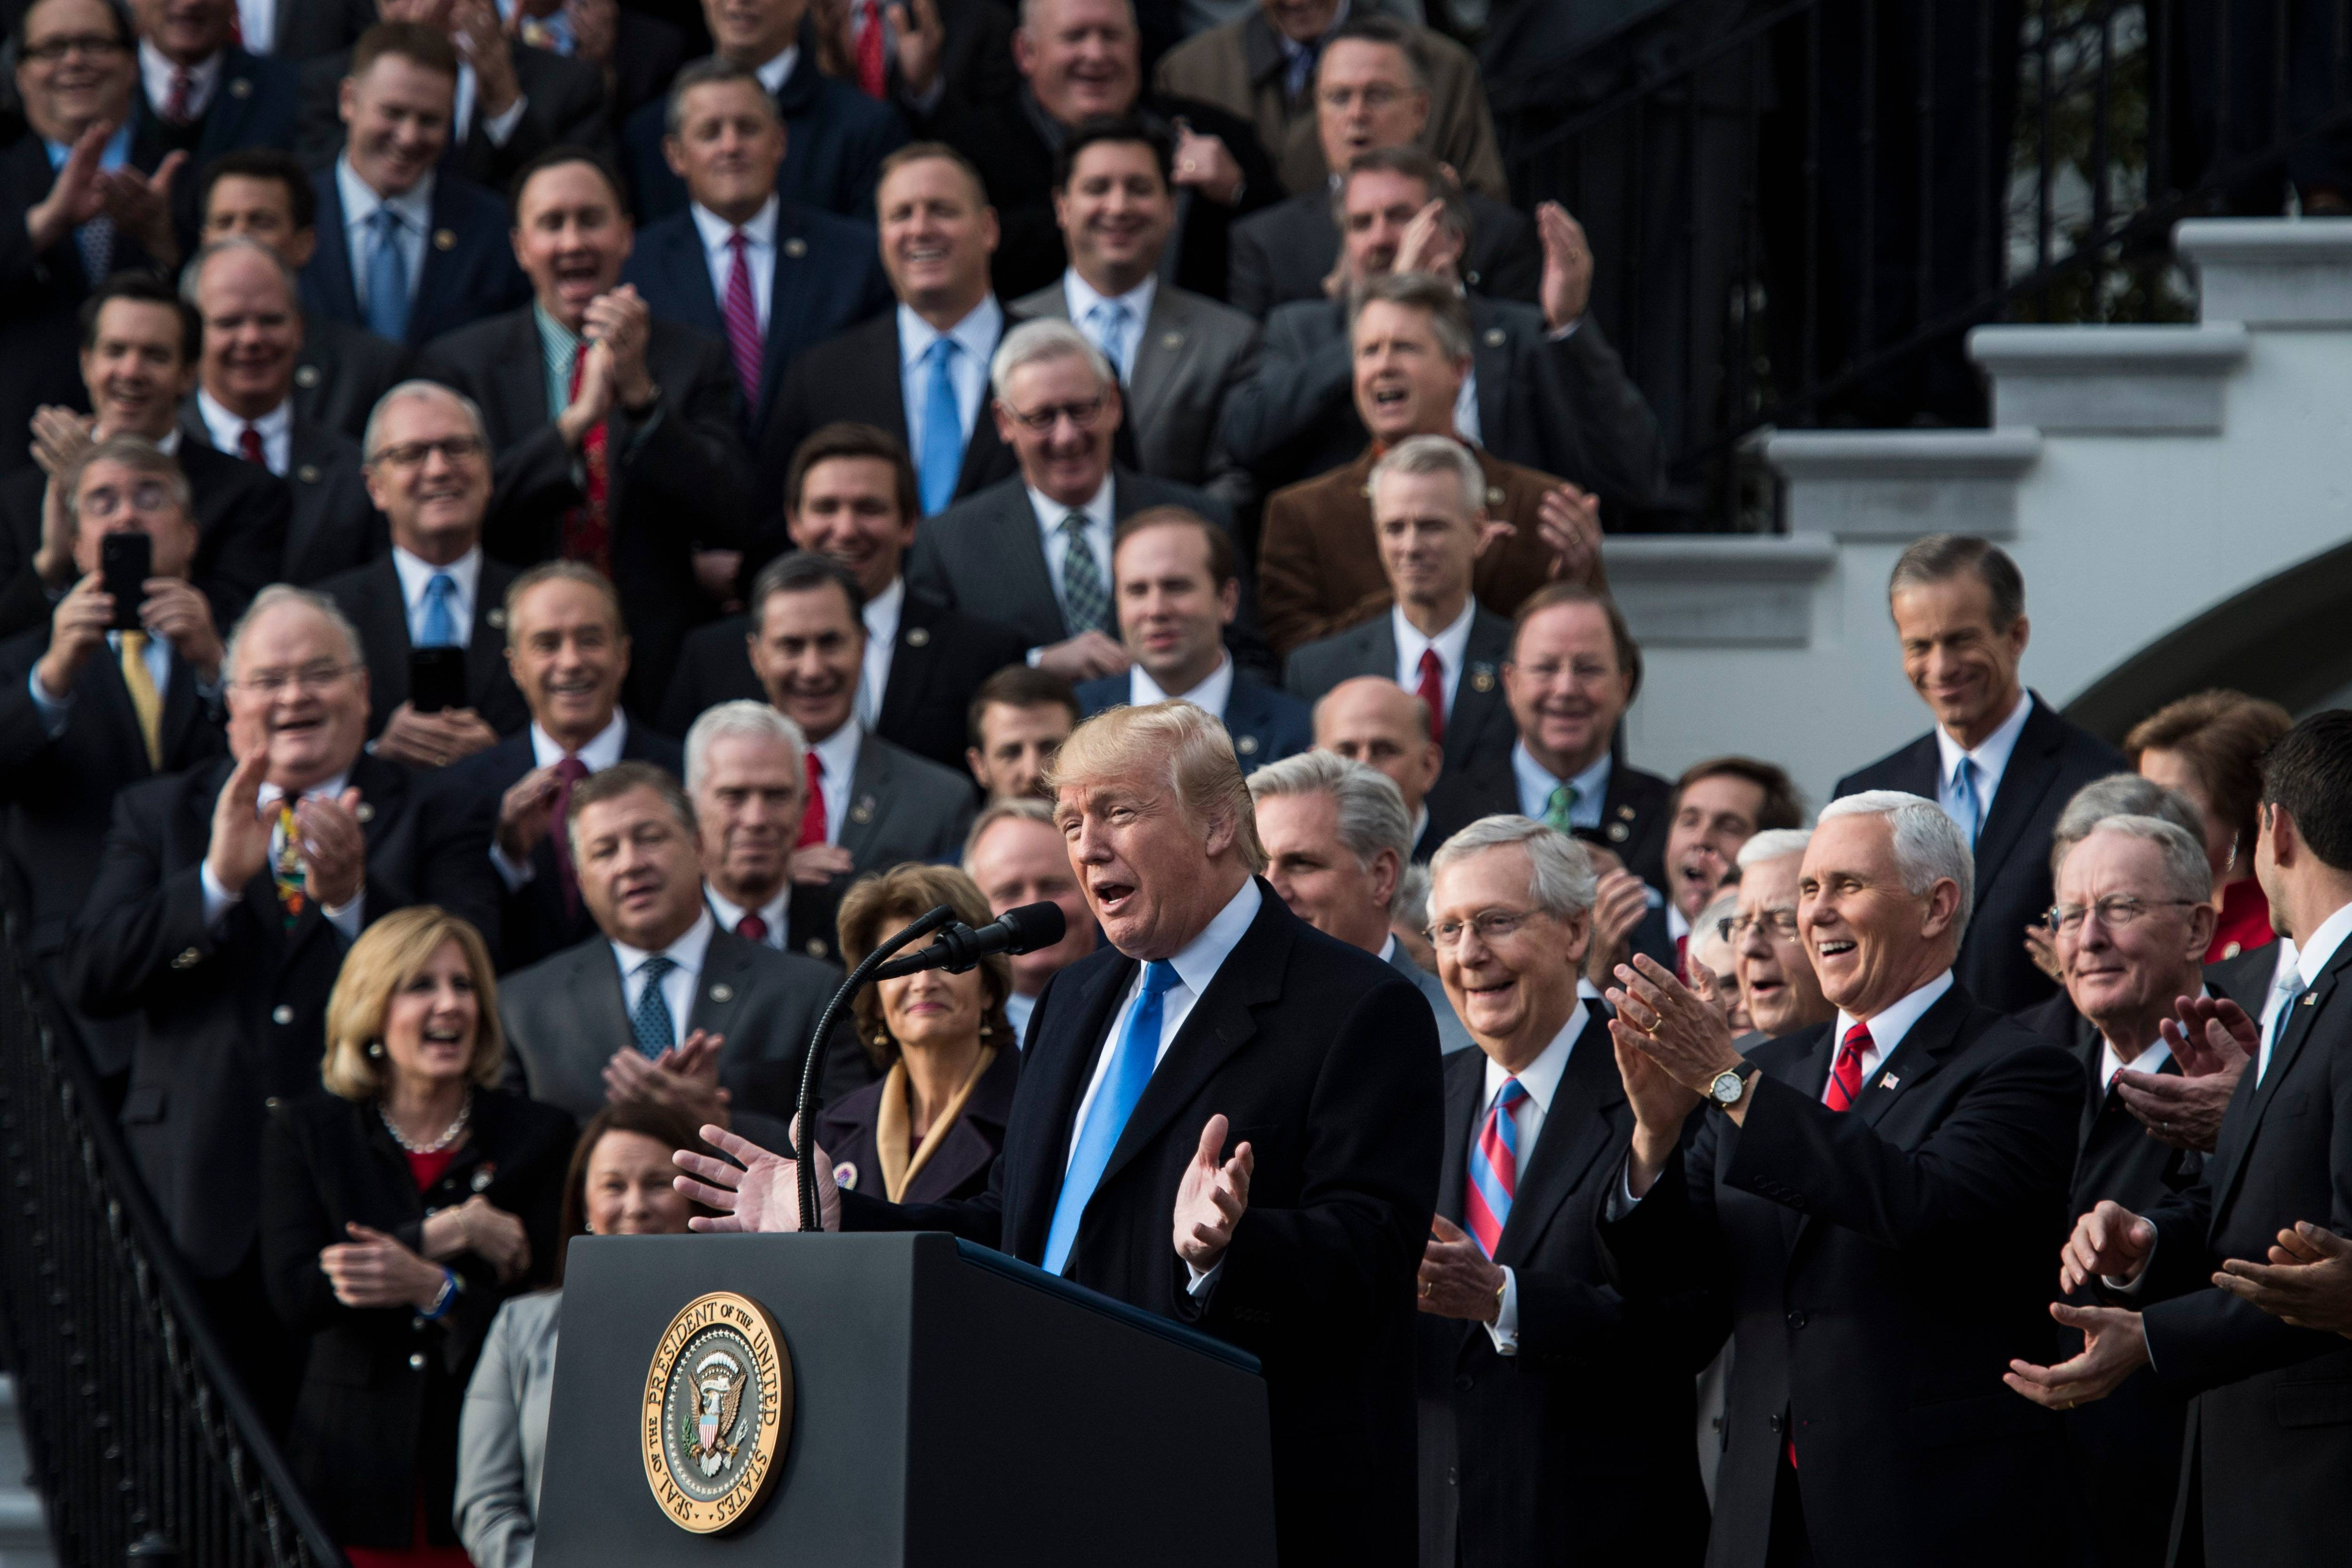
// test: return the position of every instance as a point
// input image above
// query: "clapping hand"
(684, 1078)
(2109, 1242)
(760, 1192)
(2115, 1345)
(2306, 1283)
(1205, 164)
(1567, 286)
(333, 848)
(1213, 1198)
(1567, 521)
(374, 1269)
(1457, 1279)
(2213, 1042)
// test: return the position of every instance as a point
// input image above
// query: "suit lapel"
(1809, 1074)
(181, 711)
(1164, 343)
(1014, 543)
(330, 268)
(1465, 1085)
(1490, 355)
(869, 790)
(2028, 777)
(719, 990)
(485, 652)
(1063, 1063)
(1576, 1131)
(1478, 690)
(2230, 1153)
(912, 659)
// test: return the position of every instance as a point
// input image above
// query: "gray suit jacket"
(984, 555)
(1478, 729)
(1567, 408)
(901, 807)
(1451, 1035)
(1193, 352)
(502, 1432)
(565, 1017)
(334, 527)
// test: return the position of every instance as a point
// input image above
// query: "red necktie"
(742, 322)
(587, 530)
(1682, 958)
(568, 773)
(813, 819)
(870, 72)
(176, 106)
(751, 928)
(249, 448)
(1432, 692)
(1845, 1076)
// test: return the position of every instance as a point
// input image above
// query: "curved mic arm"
(803, 1128)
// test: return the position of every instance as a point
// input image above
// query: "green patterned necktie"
(1082, 581)
(1560, 808)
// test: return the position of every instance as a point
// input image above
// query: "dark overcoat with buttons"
(1881, 1267)
(228, 1018)
(376, 1421)
(1584, 1434)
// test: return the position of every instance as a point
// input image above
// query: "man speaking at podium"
(1225, 1117)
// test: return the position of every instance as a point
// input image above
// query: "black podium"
(950, 1405)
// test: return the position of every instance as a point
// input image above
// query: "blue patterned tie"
(387, 277)
(650, 1018)
(942, 444)
(1130, 1069)
(1110, 319)
(1966, 811)
(95, 240)
(440, 628)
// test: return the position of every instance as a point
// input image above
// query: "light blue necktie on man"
(1130, 1069)
(2290, 989)
(1110, 319)
(440, 625)
(387, 277)
(1966, 811)
(942, 443)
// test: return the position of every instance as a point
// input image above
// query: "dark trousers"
(1790, 1547)
(266, 1358)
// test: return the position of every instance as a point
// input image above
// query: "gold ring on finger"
(1657, 1021)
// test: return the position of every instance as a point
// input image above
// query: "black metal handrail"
(142, 1441)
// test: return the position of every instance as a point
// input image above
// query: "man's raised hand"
(1213, 1198)
(760, 1192)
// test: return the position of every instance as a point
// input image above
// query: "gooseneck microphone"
(958, 947)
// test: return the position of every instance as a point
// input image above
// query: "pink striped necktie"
(1494, 1169)
(743, 321)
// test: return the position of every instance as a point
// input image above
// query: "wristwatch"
(1730, 1084)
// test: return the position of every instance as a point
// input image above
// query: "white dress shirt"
(360, 201)
(1466, 411)
(1017, 1009)
(685, 955)
(1099, 529)
(1211, 696)
(219, 901)
(227, 430)
(256, 25)
(155, 75)
(2152, 1058)
(1081, 296)
(1452, 644)
(1886, 1030)
(416, 573)
(836, 756)
(1541, 1077)
(1590, 789)
(881, 619)
(545, 751)
(775, 911)
(779, 70)
(759, 255)
(1989, 760)
(499, 128)
(977, 336)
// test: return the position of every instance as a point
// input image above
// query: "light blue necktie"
(1130, 1069)
(440, 628)
(1110, 319)
(650, 1019)
(942, 445)
(387, 277)
(2291, 992)
(1966, 811)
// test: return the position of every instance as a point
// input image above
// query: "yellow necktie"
(145, 699)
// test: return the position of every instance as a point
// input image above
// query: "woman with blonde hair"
(399, 1209)
(928, 1132)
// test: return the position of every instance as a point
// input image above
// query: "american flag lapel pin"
(1889, 1081)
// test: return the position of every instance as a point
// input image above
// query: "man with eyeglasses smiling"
(1776, 978)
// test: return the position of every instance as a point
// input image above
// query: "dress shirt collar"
(116, 154)
(1541, 1077)
(155, 75)
(1211, 696)
(976, 334)
(1082, 297)
(882, 613)
(1894, 1021)
(1198, 961)
(361, 199)
(716, 231)
(1992, 755)
(687, 952)
(1678, 926)
(1050, 512)
(1536, 782)
(599, 754)
(415, 575)
(837, 754)
(227, 428)
(779, 71)
(730, 914)
(2152, 1056)
(325, 789)
(1452, 643)
(2312, 958)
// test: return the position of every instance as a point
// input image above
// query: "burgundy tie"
(176, 110)
(1432, 691)
(568, 774)
(744, 343)
(751, 928)
(249, 448)
(873, 76)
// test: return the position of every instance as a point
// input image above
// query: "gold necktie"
(145, 699)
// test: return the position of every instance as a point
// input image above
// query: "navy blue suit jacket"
(828, 278)
(469, 265)
(255, 103)
(835, 141)
(1267, 725)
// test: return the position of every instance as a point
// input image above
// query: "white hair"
(2187, 873)
(280, 594)
(1773, 843)
(1560, 873)
(1436, 455)
(740, 720)
(1370, 809)
(1928, 848)
(2120, 794)
(1046, 338)
(421, 388)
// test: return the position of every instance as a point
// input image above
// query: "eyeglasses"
(54, 49)
(2114, 909)
(150, 498)
(1780, 922)
(413, 454)
(1377, 97)
(1083, 415)
(310, 678)
(1492, 926)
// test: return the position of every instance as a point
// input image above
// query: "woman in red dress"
(2209, 748)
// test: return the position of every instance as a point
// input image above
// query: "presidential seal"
(718, 1413)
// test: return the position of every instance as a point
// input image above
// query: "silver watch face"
(1726, 1087)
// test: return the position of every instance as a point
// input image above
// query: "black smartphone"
(125, 561)
(437, 679)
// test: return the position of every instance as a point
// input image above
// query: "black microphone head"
(1034, 926)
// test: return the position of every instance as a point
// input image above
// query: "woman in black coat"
(399, 1209)
(929, 1130)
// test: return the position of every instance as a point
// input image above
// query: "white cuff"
(513, 874)
(1504, 1330)
(500, 129)
(2120, 1286)
(347, 920)
(54, 711)
(1200, 1284)
(219, 900)
(1561, 334)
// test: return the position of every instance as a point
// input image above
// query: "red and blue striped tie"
(1494, 1169)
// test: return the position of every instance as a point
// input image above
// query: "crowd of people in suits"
(532, 554)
